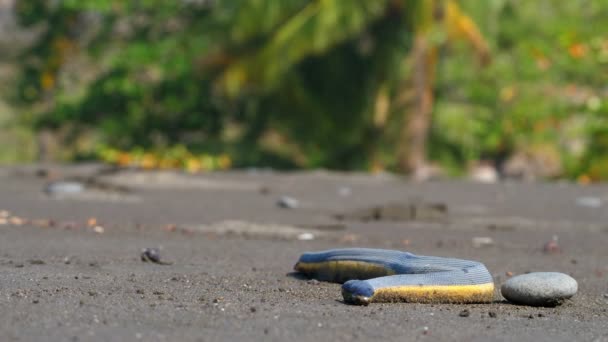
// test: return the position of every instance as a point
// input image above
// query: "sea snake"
(380, 275)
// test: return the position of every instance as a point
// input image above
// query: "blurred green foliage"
(292, 83)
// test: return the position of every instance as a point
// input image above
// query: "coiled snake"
(380, 275)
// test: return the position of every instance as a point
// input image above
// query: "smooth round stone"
(539, 288)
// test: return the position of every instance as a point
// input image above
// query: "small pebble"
(464, 313)
(288, 202)
(539, 288)
(152, 255)
(306, 236)
(64, 188)
(482, 241)
(492, 314)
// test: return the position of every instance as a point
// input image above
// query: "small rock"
(64, 188)
(288, 202)
(589, 202)
(306, 236)
(152, 255)
(539, 288)
(492, 314)
(465, 313)
(482, 241)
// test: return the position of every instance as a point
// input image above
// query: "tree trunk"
(414, 132)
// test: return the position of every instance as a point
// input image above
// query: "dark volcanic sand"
(59, 284)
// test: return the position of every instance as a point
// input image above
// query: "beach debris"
(171, 227)
(552, 246)
(92, 222)
(483, 172)
(306, 236)
(152, 255)
(589, 202)
(16, 221)
(64, 188)
(415, 211)
(288, 202)
(43, 223)
(539, 288)
(482, 241)
(245, 229)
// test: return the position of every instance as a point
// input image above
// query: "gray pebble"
(64, 187)
(539, 288)
(288, 202)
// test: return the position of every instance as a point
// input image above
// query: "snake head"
(357, 292)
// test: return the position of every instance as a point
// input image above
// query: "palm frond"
(317, 27)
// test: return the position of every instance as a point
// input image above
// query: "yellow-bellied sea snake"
(380, 275)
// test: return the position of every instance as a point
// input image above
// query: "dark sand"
(73, 284)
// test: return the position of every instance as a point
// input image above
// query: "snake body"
(379, 275)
